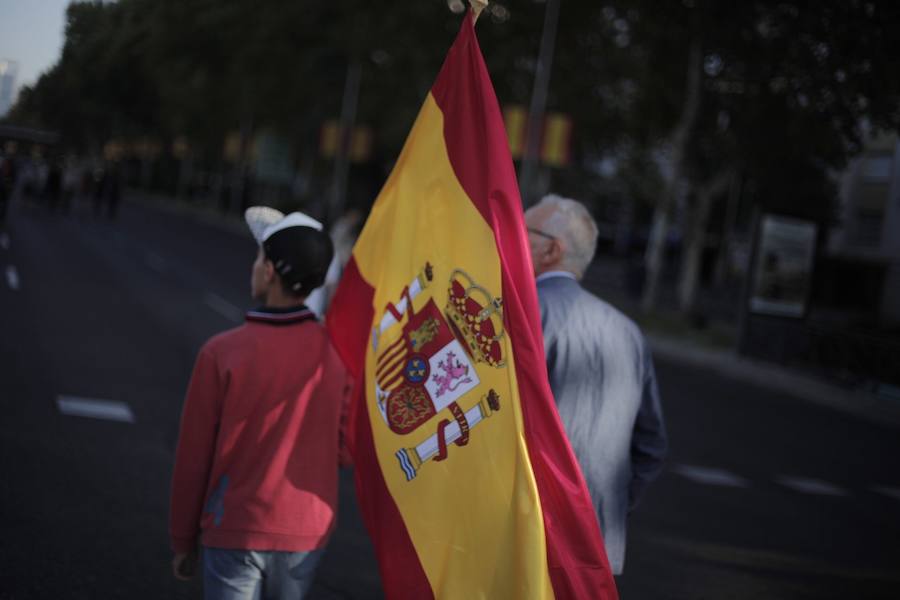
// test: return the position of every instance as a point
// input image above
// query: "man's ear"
(554, 252)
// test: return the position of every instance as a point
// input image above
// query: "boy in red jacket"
(255, 478)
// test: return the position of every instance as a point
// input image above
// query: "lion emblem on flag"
(431, 366)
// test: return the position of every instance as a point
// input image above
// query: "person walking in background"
(600, 369)
(70, 182)
(86, 186)
(97, 185)
(53, 185)
(256, 470)
(7, 182)
(106, 188)
(343, 234)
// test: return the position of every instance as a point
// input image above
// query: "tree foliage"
(785, 87)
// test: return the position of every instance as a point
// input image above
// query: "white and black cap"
(295, 243)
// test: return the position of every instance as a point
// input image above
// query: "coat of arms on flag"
(433, 364)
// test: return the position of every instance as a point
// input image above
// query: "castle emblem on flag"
(432, 364)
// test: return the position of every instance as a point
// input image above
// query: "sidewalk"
(883, 408)
(712, 348)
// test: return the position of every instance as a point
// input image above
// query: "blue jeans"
(251, 575)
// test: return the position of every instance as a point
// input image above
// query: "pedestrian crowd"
(62, 184)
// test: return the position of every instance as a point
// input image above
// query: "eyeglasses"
(542, 234)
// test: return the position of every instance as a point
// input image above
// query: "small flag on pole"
(556, 143)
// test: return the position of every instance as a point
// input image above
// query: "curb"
(860, 403)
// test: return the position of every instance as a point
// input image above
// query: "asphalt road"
(764, 496)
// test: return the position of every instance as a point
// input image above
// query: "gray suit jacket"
(602, 377)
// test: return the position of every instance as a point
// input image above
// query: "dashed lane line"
(224, 307)
(710, 476)
(774, 561)
(4, 241)
(12, 277)
(804, 485)
(808, 485)
(891, 492)
(92, 408)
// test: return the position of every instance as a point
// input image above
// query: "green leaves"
(781, 81)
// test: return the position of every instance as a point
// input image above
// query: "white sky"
(31, 34)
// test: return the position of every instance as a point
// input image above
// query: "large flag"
(465, 479)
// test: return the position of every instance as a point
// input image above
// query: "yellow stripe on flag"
(474, 518)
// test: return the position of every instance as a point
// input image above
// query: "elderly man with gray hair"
(600, 368)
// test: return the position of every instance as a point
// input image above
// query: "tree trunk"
(241, 167)
(695, 240)
(692, 253)
(678, 143)
(723, 260)
(656, 255)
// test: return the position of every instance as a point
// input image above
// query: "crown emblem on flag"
(476, 318)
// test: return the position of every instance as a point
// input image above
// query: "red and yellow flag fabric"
(465, 480)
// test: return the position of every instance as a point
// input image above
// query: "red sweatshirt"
(257, 460)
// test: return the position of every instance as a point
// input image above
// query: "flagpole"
(477, 7)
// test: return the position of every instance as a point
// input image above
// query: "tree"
(767, 84)
(680, 95)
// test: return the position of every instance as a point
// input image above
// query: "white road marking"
(808, 485)
(95, 409)
(12, 277)
(774, 561)
(224, 307)
(710, 476)
(155, 262)
(4, 241)
(892, 492)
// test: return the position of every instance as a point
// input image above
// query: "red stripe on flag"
(389, 363)
(390, 351)
(479, 152)
(351, 309)
(349, 324)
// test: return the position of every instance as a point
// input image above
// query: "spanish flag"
(465, 479)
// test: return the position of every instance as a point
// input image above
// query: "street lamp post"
(528, 168)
